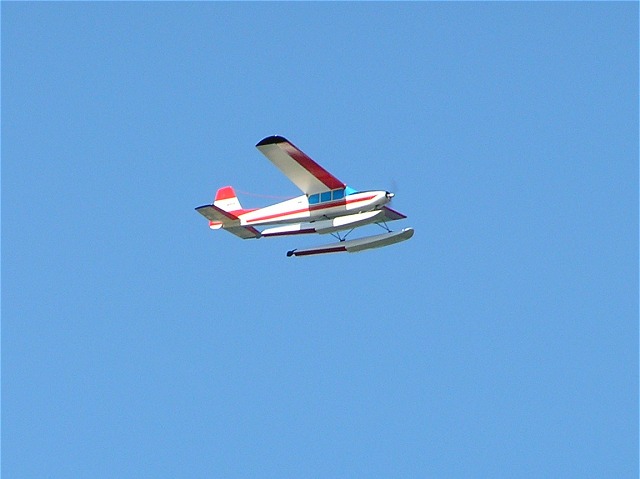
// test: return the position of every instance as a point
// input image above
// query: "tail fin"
(227, 200)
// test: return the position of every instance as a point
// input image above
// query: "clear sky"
(501, 341)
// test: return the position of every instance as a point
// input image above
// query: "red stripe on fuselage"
(312, 208)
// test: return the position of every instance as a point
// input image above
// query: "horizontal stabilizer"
(356, 245)
(229, 221)
(244, 232)
(213, 213)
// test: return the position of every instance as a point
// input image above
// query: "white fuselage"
(298, 209)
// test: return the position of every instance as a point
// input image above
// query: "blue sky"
(501, 341)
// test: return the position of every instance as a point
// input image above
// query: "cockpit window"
(327, 196)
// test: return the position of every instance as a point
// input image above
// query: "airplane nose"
(390, 195)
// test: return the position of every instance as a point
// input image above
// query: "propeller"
(393, 188)
(394, 185)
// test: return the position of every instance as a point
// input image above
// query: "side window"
(326, 196)
(338, 194)
(313, 199)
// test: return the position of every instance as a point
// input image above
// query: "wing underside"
(392, 215)
(305, 173)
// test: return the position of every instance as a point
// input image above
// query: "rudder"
(227, 200)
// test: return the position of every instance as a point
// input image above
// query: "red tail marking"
(225, 193)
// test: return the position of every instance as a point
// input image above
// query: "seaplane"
(327, 206)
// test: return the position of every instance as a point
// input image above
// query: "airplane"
(327, 206)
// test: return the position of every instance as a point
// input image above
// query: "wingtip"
(271, 140)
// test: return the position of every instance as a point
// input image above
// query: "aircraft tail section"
(219, 218)
(227, 200)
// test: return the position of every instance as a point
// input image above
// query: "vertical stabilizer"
(227, 200)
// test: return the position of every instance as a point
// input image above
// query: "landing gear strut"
(340, 237)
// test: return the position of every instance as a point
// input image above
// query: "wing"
(305, 173)
(392, 215)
